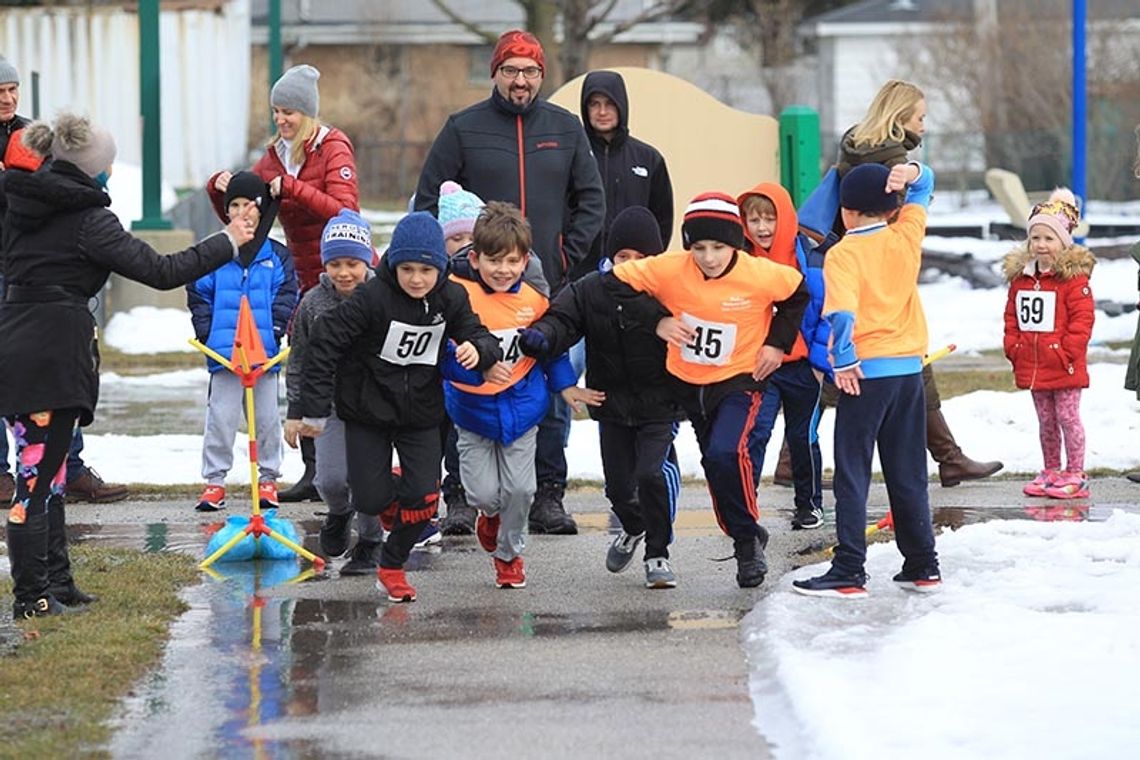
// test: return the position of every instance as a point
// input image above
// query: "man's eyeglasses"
(529, 72)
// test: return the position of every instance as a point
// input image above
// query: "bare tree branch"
(489, 37)
(652, 13)
(593, 19)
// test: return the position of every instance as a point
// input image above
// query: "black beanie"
(635, 228)
(249, 186)
(712, 216)
(864, 189)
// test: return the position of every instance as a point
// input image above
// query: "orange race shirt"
(730, 314)
(503, 314)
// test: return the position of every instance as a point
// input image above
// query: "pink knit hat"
(1059, 214)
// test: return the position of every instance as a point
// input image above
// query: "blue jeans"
(793, 386)
(550, 448)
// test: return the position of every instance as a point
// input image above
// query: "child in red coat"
(1048, 323)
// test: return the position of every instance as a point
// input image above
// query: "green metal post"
(799, 151)
(276, 58)
(150, 103)
(36, 95)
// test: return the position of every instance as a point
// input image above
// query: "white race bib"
(412, 344)
(509, 342)
(1036, 310)
(712, 344)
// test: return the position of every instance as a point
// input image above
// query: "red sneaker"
(487, 531)
(509, 574)
(393, 580)
(267, 494)
(212, 499)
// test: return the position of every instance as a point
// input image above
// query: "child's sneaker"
(807, 518)
(1069, 485)
(212, 499)
(509, 574)
(267, 494)
(1037, 486)
(395, 583)
(487, 531)
(832, 583)
(658, 574)
(429, 536)
(923, 581)
(620, 553)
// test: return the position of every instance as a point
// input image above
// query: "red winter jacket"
(325, 185)
(1049, 319)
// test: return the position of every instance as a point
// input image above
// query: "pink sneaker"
(1070, 485)
(1037, 486)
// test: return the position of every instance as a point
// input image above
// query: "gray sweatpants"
(500, 480)
(331, 480)
(225, 410)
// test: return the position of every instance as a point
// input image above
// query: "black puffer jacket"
(386, 349)
(60, 245)
(624, 357)
(633, 172)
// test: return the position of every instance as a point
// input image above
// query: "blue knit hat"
(458, 209)
(864, 189)
(347, 235)
(417, 238)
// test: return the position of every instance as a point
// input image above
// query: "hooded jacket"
(325, 184)
(383, 350)
(60, 244)
(793, 249)
(1049, 318)
(536, 157)
(633, 172)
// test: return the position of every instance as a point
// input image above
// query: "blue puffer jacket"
(815, 329)
(270, 282)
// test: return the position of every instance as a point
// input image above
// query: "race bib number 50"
(1036, 310)
(712, 343)
(412, 344)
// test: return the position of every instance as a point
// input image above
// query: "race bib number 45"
(412, 344)
(713, 342)
(1036, 310)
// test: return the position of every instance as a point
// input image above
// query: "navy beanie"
(864, 189)
(246, 185)
(417, 238)
(635, 228)
(347, 235)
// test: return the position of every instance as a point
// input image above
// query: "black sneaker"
(833, 584)
(621, 550)
(335, 534)
(547, 515)
(364, 560)
(923, 581)
(460, 519)
(807, 518)
(751, 566)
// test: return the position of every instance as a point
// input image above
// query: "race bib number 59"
(1036, 310)
(713, 342)
(412, 344)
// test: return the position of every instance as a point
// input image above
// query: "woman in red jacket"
(1048, 323)
(311, 167)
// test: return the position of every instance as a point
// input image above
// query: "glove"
(532, 342)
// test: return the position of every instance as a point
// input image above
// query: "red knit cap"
(515, 43)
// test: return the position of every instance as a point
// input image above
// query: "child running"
(1048, 322)
(383, 348)
(724, 342)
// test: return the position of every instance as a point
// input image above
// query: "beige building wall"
(706, 144)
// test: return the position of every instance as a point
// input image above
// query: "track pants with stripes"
(731, 456)
(642, 480)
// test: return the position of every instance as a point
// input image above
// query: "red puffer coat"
(1049, 319)
(325, 185)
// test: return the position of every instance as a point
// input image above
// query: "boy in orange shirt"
(724, 341)
(879, 337)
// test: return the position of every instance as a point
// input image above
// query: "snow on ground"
(149, 330)
(1028, 651)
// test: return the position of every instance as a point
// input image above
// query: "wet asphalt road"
(581, 663)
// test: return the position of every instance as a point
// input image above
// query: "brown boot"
(953, 465)
(88, 486)
(783, 474)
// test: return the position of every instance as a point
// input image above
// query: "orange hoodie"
(783, 248)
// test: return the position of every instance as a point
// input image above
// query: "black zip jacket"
(385, 349)
(536, 157)
(633, 172)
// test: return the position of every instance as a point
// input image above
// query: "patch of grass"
(961, 382)
(113, 360)
(65, 679)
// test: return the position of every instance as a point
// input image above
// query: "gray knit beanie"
(74, 139)
(8, 72)
(297, 90)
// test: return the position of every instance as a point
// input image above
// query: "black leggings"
(42, 442)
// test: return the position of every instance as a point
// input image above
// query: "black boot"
(27, 554)
(303, 489)
(547, 515)
(460, 518)
(60, 583)
(751, 566)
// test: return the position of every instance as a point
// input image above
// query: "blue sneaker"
(833, 584)
(430, 536)
(923, 581)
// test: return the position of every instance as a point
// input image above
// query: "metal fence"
(388, 170)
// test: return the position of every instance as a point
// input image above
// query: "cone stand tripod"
(248, 350)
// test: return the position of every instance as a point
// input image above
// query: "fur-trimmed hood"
(1072, 262)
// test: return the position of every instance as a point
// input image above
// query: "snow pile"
(149, 330)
